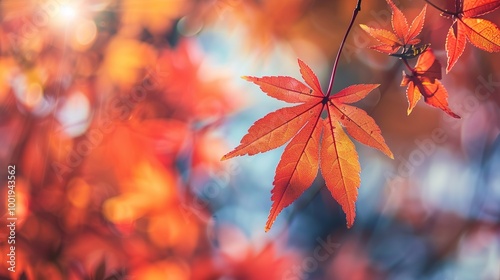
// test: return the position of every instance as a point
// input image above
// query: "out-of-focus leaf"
(402, 34)
(424, 81)
(481, 33)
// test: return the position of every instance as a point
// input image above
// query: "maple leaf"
(402, 34)
(424, 81)
(466, 26)
(314, 142)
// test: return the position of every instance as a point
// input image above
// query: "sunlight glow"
(68, 12)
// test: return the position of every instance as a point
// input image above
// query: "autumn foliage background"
(116, 114)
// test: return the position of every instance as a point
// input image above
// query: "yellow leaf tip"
(227, 156)
(410, 109)
(269, 224)
(364, 27)
(250, 78)
(272, 217)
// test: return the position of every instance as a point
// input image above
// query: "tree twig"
(335, 64)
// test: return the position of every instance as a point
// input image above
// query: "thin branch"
(335, 64)
(407, 65)
(439, 9)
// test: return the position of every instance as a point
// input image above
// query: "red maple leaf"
(315, 142)
(402, 35)
(481, 33)
(424, 81)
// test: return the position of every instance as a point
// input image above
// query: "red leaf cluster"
(424, 81)
(466, 26)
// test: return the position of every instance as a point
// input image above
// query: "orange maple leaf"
(315, 142)
(403, 34)
(424, 81)
(481, 33)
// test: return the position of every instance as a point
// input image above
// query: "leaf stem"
(407, 64)
(439, 9)
(335, 64)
